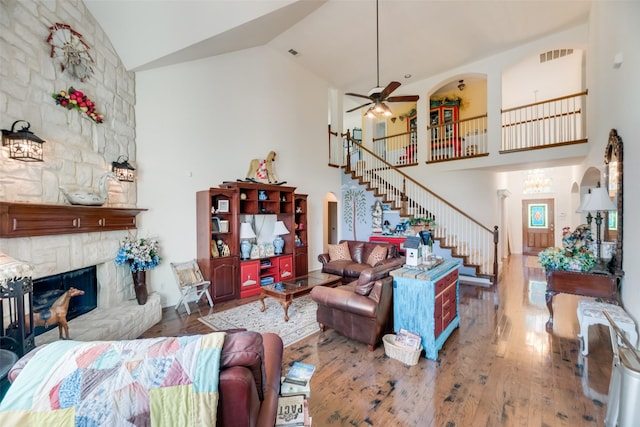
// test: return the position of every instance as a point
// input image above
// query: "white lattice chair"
(190, 282)
(591, 313)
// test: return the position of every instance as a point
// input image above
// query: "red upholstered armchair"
(360, 310)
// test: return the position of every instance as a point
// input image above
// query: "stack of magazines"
(295, 389)
(408, 339)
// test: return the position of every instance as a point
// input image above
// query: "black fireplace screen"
(47, 289)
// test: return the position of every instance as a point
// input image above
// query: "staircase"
(454, 230)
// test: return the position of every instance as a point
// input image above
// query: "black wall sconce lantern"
(23, 144)
(123, 170)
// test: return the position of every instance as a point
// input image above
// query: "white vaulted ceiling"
(335, 39)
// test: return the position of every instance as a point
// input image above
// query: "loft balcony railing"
(399, 150)
(554, 122)
(544, 124)
(458, 139)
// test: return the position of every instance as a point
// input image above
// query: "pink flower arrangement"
(74, 99)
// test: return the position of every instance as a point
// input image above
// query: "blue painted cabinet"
(426, 302)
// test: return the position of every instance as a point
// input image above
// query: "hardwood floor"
(500, 368)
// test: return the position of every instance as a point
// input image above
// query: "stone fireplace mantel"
(28, 219)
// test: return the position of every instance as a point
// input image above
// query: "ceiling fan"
(379, 95)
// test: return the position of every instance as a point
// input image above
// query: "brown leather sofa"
(249, 383)
(359, 250)
(361, 310)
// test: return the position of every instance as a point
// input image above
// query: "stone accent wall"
(78, 151)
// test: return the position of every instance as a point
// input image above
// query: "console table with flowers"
(570, 270)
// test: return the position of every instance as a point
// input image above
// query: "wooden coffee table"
(288, 290)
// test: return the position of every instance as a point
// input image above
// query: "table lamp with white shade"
(246, 233)
(279, 229)
(598, 201)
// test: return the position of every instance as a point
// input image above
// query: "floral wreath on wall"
(76, 100)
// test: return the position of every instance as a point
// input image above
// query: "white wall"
(613, 93)
(200, 123)
(530, 81)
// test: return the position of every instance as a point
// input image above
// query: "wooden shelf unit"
(230, 276)
(300, 252)
(221, 270)
(279, 202)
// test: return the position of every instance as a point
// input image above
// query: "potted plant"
(421, 223)
(141, 255)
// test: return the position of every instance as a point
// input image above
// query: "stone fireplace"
(118, 315)
(77, 153)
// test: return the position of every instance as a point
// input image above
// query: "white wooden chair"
(190, 282)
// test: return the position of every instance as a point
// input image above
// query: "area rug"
(302, 319)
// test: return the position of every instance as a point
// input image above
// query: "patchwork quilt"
(147, 382)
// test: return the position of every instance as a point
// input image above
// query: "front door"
(537, 225)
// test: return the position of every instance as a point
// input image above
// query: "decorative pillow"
(339, 252)
(377, 254)
(189, 276)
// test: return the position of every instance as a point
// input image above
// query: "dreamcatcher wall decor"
(70, 51)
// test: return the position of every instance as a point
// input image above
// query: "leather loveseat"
(360, 310)
(249, 381)
(349, 258)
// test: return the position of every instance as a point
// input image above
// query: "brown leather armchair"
(360, 310)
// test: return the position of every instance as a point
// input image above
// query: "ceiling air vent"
(554, 54)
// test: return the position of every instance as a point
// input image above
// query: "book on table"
(289, 389)
(292, 411)
(300, 373)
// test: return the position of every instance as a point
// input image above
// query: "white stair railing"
(454, 229)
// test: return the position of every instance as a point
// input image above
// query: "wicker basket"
(403, 354)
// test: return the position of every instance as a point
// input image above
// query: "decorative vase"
(245, 249)
(278, 245)
(140, 286)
